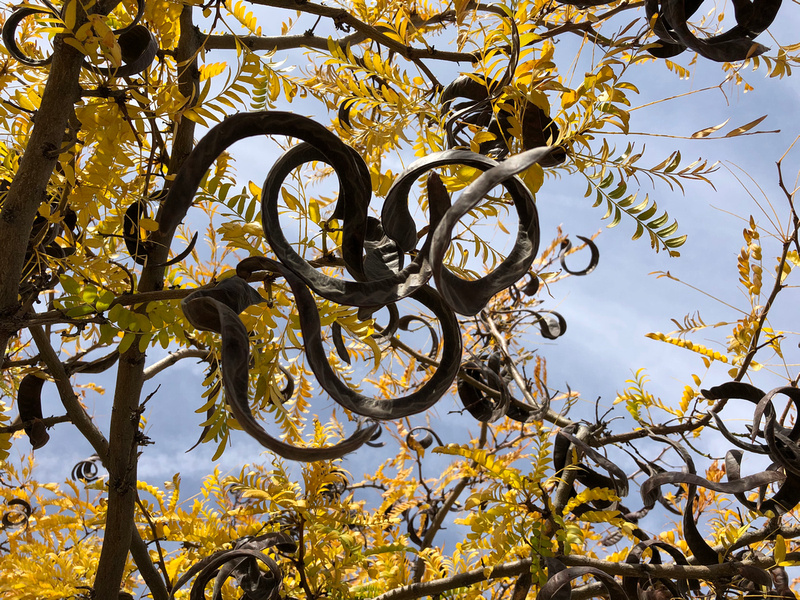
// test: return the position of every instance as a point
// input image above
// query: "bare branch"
(290, 42)
(77, 414)
(171, 359)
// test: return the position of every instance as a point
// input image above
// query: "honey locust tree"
(117, 118)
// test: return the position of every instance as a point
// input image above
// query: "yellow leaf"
(211, 70)
(568, 99)
(746, 127)
(70, 14)
(780, 549)
(709, 130)
(313, 211)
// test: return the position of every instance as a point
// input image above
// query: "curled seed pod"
(532, 286)
(288, 390)
(783, 501)
(404, 323)
(136, 19)
(138, 47)
(390, 328)
(538, 129)
(86, 470)
(618, 478)
(373, 441)
(612, 538)
(551, 324)
(217, 309)
(669, 18)
(9, 34)
(372, 252)
(783, 444)
(480, 405)
(242, 564)
(138, 248)
(416, 534)
(373, 408)
(426, 441)
(566, 246)
(16, 515)
(343, 112)
(697, 544)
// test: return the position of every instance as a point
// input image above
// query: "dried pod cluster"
(374, 253)
(751, 579)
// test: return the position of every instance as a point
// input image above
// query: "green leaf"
(126, 342)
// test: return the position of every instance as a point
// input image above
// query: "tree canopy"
(392, 258)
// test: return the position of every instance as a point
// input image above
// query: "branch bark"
(29, 188)
(515, 568)
(291, 42)
(95, 437)
(123, 455)
(171, 359)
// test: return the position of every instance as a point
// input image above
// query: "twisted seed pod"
(16, 515)
(217, 310)
(9, 37)
(669, 18)
(373, 252)
(241, 563)
(86, 470)
(425, 441)
(594, 259)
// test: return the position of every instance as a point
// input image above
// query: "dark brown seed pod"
(484, 408)
(9, 35)
(669, 18)
(217, 310)
(138, 246)
(594, 259)
(138, 48)
(16, 515)
(86, 470)
(242, 564)
(426, 441)
(551, 324)
(338, 342)
(373, 441)
(29, 403)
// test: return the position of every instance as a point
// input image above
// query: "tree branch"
(171, 359)
(29, 187)
(444, 509)
(342, 18)
(290, 42)
(638, 434)
(18, 425)
(511, 569)
(77, 414)
(125, 414)
(95, 437)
